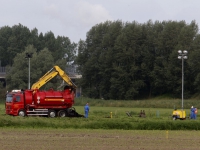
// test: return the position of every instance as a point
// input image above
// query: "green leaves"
(40, 63)
(132, 60)
(47, 51)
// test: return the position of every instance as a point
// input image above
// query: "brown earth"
(77, 139)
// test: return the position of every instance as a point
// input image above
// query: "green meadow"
(123, 115)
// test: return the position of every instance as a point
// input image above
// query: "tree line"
(46, 49)
(129, 60)
(118, 60)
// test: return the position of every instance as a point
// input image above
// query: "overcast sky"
(74, 18)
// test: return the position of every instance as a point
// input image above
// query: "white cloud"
(52, 11)
(74, 18)
(81, 14)
(88, 14)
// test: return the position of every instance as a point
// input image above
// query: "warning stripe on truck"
(51, 99)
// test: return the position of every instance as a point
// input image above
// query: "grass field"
(102, 130)
(82, 139)
(106, 118)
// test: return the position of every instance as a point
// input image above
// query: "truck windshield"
(9, 97)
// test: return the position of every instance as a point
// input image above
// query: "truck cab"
(14, 103)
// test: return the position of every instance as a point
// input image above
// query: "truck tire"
(52, 113)
(62, 113)
(21, 113)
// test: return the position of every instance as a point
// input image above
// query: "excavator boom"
(51, 74)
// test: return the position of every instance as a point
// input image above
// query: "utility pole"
(182, 55)
(28, 56)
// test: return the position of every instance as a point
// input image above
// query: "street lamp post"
(182, 55)
(29, 55)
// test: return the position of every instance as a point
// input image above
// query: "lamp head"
(180, 51)
(179, 57)
(185, 51)
(185, 57)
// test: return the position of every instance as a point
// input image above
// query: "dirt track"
(60, 139)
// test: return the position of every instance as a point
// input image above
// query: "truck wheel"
(52, 113)
(62, 113)
(22, 113)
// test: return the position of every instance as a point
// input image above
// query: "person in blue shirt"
(87, 109)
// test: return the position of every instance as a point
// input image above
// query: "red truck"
(34, 102)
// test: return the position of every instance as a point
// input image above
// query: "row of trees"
(131, 61)
(47, 51)
(13, 40)
(117, 60)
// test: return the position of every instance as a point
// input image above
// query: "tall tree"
(40, 63)
(5, 33)
(98, 53)
(131, 60)
(65, 49)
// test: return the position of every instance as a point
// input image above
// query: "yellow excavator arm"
(51, 74)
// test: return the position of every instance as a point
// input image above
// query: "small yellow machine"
(179, 114)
